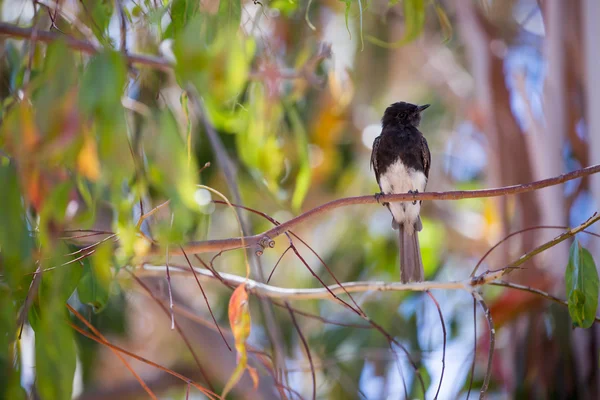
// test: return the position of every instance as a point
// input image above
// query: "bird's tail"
(411, 265)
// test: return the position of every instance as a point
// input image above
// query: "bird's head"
(402, 113)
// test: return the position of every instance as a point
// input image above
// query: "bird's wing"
(426, 156)
(374, 157)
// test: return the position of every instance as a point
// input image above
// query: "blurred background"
(284, 98)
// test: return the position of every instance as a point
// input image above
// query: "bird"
(401, 160)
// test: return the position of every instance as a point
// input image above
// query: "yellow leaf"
(87, 159)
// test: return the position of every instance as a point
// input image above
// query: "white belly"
(399, 179)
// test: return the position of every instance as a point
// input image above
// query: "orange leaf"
(239, 315)
(239, 319)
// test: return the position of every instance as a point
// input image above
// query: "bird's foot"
(378, 198)
(413, 192)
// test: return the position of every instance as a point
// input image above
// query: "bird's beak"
(423, 107)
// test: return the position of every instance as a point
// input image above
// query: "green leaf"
(16, 245)
(99, 13)
(182, 11)
(444, 22)
(100, 97)
(103, 84)
(581, 279)
(414, 21)
(59, 61)
(230, 13)
(258, 145)
(93, 288)
(348, 4)
(55, 355)
(10, 385)
(304, 174)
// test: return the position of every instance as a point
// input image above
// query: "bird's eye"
(402, 115)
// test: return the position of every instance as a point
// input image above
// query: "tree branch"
(81, 45)
(469, 284)
(258, 241)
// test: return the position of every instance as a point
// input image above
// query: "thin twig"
(487, 253)
(437, 305)
(177, 328)
(122, 26)
(80, 45)
(488, 316)
(535, 291)
(206, 301)
(307, 349)
(103, 342)
(474, 346)
(277, 263)
(115, 352)
(170, 291)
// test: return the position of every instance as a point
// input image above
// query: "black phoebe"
(401, 161)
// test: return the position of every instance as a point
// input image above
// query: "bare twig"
(80, 45)
(122, 27)
(177, 328)
(252, 241)
(488, 315)
(307, 349)
(437, 305)
(535, 291)
(208, 393)
(206, 301)
(472, 374)
(115, 352)
(487, 253)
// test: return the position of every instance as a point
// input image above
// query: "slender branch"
(274, 292)
(155, 62)
(472, 374)
(253, 241)
(439, 310)
(81, 45)
(306, 349)
(530, 289)
(488, 315)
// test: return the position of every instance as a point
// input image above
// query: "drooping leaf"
(444, 22)
(55, 354)
(239, 319)
(230, 13)
(581, 279)
(100, 95)
(93, 288)
(59, 61)
(414, 21)
(304, 174)
(98, 14)
(103, 84)
(87, 160)
(182, 11)
(10, 377)
(16, 245)
(259, 145)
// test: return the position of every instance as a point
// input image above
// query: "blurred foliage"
(88, 142)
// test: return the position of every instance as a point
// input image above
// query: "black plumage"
(401, 161)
